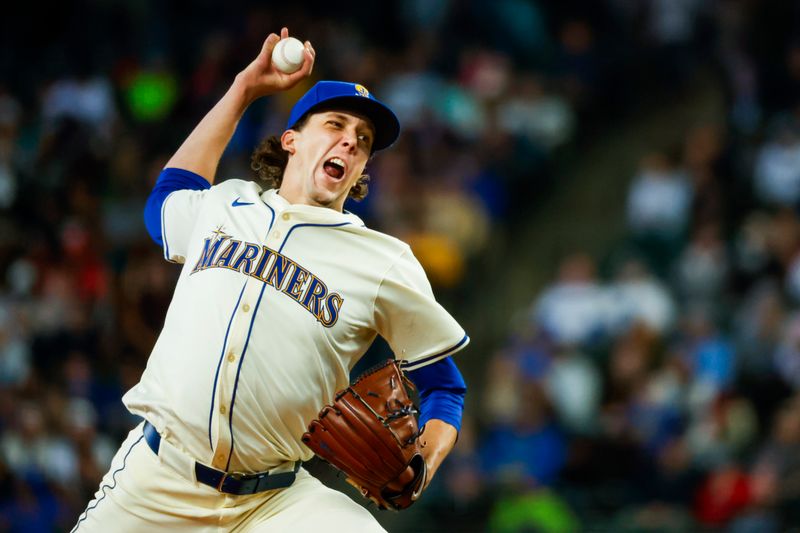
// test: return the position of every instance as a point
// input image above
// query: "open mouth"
(334, 167)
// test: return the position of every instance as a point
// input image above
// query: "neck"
(293, 193)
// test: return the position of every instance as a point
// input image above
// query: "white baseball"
(287, 55)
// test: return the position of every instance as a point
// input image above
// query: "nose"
(349, 139)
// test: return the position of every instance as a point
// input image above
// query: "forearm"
(437, 440)
(201, 151)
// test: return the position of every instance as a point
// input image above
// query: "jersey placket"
(221, 421)
(226, 385)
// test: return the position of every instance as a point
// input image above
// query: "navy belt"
(229, 482)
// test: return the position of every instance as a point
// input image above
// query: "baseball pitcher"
(281, 292)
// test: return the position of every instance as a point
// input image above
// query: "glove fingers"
(327, 442)
(374, 459)
(335, 442)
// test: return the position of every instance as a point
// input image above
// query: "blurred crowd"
(653, 388)
(656, 388)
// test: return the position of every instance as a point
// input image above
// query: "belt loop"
(221, 481)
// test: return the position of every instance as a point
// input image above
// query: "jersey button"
(246, 307)
(231, 357)
(286, 216)
(223, 409)
(220, 457)
(276, 234)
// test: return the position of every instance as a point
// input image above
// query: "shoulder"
(383, 241)
(381, 253)
(237, 186)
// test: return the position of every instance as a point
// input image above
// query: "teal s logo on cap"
(343, 96)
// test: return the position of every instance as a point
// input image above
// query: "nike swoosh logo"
(237, 203)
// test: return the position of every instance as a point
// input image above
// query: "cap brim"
(386, 124)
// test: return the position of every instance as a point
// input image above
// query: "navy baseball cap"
(340, 95)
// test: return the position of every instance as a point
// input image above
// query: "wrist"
(244, 91)
(241, 92)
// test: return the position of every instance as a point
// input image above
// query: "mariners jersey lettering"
(274, 269)
(289, 297)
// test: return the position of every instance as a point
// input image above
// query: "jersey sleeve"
(178, 215)
(418, 329)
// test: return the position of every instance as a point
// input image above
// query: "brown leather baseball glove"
(370, 433)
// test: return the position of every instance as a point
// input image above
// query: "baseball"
(287, 55)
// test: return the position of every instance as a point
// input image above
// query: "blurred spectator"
(706, 164)
(546, 119)
(29, 450)
(777, 170)
(529, 450)
(670, 29)
(751, 249)
(722, 432)
(708, 354)
(659, 198)
(702, 268)
(574, 387)
(639, 298)
(777, 466)
(486, 73)
(757, 329)
(10, 116)
(675, 476)
(787, 354)
(89, 99)
(30, 507)
(414, 90)
(723, 494)
(578, 63)
(572, 310)
(15, 356)
(504, 383)
(658, 209)
(461, 112)
(644, 401)
(783, 238)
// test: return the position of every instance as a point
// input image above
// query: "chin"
(328, 193)
(325, 199)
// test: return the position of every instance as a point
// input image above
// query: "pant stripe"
(109, 487)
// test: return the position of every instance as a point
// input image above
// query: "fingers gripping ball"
(287, 55)
(370, 433)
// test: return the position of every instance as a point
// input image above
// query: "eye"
(335, 123)
(365, 140)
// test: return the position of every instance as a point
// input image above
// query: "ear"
(287, 141)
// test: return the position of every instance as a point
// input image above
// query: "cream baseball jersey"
(274, 305)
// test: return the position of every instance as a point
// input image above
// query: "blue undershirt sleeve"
(441, 390)
(169, 181)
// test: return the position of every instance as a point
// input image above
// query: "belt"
(227, 482)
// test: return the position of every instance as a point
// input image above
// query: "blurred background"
(603, 193)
